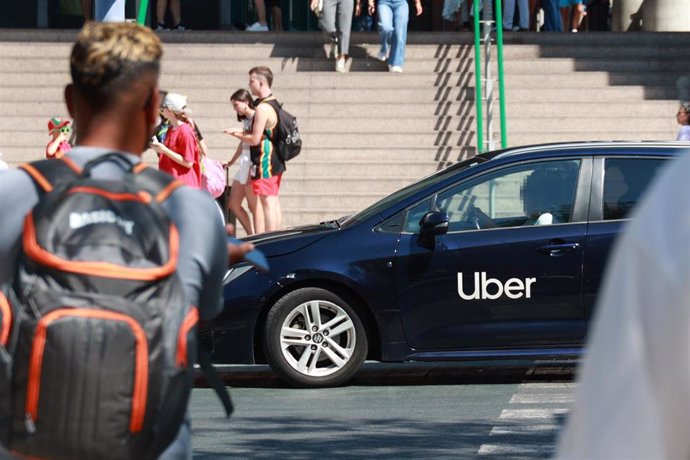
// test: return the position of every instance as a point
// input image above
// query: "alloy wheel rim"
(317, 338)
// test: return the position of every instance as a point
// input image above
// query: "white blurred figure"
(633, 397)
(683, 119)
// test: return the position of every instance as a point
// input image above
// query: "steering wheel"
(479, 218)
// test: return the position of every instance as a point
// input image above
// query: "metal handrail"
(478, 77)
(478, 80)
(141, 15)
(501, 80)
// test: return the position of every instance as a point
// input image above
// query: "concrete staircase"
(368, 132)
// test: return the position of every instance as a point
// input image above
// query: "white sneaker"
(340, 65)
(257, 27)
(395, 68)
(381, 57)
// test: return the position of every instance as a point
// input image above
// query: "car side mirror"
(433, 223)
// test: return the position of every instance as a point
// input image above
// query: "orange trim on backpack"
(141, 369)
(38, 177)
(167, 191)
(191, 320)
(73, 166)
(103, 269)
(139, 167)
(140, 197)
(6, 319)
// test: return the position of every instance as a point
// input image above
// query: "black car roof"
(580, 148)
(595, 147)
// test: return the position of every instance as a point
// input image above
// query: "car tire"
(314, 338)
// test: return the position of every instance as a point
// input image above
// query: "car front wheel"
(314, 338)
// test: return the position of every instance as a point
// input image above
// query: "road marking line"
(543, 398)
(519, 414)
(544, 386)
(523, 430)
(498, 449)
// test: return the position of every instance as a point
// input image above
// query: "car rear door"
(618, 182)
(512, 285)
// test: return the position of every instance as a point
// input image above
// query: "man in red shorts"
(267, 168)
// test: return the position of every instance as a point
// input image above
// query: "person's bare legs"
(255, 209)
(260, 7)
(236, 197)
(277, 17)
(578, 14)
(533, 8)
(87, 10)
(278, 213)
(565, 18)
(161, 6)
(175, 12)
(271, 206)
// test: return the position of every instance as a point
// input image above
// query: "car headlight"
(235, 272)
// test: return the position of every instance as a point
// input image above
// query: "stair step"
(345, 185)
(35, 113)
(307, 168)
(282, 66)
(355, 201)
(206, 51)
(395, 95)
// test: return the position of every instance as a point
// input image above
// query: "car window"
(415, 214)
(625, 180)
(538, 193)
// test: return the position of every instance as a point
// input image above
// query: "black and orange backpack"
(98, 342)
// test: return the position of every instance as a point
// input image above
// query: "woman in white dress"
(242, 102)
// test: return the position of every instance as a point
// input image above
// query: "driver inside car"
(539, 201)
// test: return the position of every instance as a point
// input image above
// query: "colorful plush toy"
(59, 144)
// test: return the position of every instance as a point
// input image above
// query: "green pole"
(478, 79)
(143, 7)
(501, 86)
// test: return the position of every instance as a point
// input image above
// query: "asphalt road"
(389, 411)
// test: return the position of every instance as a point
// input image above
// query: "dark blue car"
(497, 257)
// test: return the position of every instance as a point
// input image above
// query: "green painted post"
(501, 85)
(478, 79)
(143, 7)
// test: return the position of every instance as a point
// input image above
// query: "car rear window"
(625, 180)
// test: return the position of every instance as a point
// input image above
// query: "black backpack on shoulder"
(97, 340)
(286, 141)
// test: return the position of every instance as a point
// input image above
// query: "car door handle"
(557, 249)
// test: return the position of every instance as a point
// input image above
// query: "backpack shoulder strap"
(46, 173)
(159, 184)
(215, 381)
(275, 105)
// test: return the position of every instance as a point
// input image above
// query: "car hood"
(290, 240)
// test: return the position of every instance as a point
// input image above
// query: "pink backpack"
(213, 177)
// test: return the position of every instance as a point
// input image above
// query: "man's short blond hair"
(263, 72)
(107, 57)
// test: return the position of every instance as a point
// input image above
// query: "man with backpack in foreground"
(107, 266)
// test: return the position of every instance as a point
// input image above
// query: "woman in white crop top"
(242, 103)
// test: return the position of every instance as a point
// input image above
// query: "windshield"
(411, 189)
